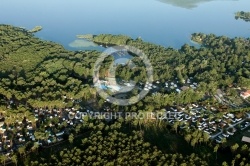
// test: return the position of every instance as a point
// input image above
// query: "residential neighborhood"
(87, 107)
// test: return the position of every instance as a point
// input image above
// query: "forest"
(42, 75)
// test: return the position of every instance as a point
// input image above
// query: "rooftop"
(246, 139)
(245, 94)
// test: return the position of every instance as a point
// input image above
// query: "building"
(245, 94)
(178, 90)
(245, 139)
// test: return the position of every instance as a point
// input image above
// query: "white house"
(245, 139)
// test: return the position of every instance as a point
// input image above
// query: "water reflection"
(80, 43)
(188, 4)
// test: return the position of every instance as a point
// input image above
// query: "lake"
(164, 22)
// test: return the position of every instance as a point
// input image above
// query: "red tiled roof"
(246, 93)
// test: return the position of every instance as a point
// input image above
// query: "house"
(60, 134)
(218, 140)
(194, 105)
(192, 86)
(230, 133)
(245, 139)
(238, 119)
(225, 135)
(245, 94)
(178, 90)
(230, 115)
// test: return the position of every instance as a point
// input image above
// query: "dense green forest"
(37, 74)
(125, 143)
(116, 145)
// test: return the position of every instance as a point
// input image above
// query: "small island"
(242, 15)
(36, 29)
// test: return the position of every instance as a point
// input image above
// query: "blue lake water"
(164, 22)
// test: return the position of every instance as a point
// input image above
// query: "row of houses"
(198, 117)
(19, 133)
